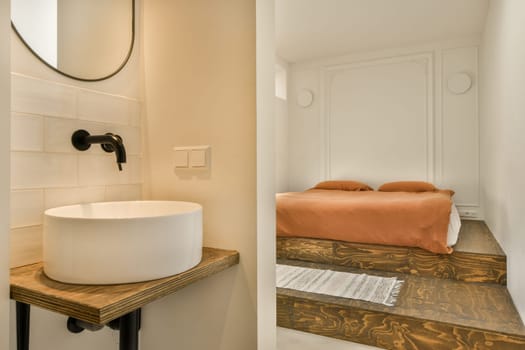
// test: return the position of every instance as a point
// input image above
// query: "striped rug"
(375, 289)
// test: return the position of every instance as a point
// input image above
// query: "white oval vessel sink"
(121, 242)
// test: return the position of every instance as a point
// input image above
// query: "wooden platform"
(456, 301)
(477, 256)
(431, 314)
(101, 304)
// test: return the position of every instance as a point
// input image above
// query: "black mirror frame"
(122, 65)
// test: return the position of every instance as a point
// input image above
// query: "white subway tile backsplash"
(46, 170)
(25, 246)
(27, 132)
(97, 128)
(58, 135)
(99, 170)
(39, 170)
(123, 193)
(57, 197)
(26, 208)
(29, 95)
(104, 108)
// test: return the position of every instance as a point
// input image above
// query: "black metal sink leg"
(128, 326)
(22, 325)
(129, 331)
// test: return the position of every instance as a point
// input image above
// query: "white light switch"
(193, 157)
(181, 159)
(198, 158)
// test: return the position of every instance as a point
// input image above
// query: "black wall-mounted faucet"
(109, 142)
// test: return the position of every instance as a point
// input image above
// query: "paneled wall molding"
(328, 73)
(433, 47)
(440, 146)
(460, 112)
(79, 88)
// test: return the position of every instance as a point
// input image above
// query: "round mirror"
(87, 40)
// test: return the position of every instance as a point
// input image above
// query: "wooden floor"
(477, 256)
(475, 237)
(440, 306)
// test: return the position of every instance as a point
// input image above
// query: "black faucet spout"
(109, 142)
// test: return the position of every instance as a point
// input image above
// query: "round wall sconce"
(305, 98)
(459, 83)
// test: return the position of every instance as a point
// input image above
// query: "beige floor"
(289, 339)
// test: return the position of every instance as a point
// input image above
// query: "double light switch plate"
(192, 157)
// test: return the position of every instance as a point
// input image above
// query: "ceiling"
(309, 29)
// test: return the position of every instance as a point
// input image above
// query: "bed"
(424, 219)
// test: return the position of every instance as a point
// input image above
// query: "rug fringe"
(392, 299)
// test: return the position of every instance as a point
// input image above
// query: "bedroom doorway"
(374, 92)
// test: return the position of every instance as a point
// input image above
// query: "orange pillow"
(412, 186)
(449, 192)
(407, 186)
(343, 185)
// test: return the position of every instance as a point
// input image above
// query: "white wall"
(387, 116)
(310, 29)
(4, 171)
(281, 126)
(281, 145)
(502, 129)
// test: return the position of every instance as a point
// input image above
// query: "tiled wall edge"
(48, 110)
(74, 87)
(52, 197)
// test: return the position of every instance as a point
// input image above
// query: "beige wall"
(502, 109)
(4, 172)
(200, 90)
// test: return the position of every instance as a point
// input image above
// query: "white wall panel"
(387, 116)
(281, 145)
(304, 135)
(281, 125)
(461, 128)
(376, 119)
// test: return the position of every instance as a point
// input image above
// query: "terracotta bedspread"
(391, 218)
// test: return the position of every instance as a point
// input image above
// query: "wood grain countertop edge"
(67, 299)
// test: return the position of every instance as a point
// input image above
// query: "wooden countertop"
(101, 304)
